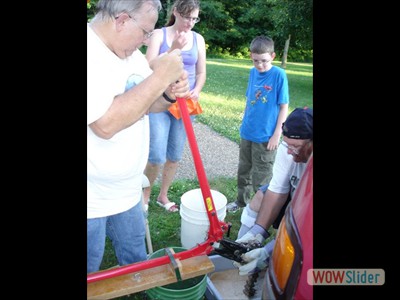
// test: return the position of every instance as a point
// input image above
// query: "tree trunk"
(285, 52)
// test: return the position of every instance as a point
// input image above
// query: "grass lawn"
(223, 104)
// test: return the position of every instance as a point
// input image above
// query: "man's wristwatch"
(168, 98)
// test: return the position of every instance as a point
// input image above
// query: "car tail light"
(286, 262)
(283, 257)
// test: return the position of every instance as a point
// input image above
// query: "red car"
(286, 277)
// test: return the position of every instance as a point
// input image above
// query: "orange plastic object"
(194, 108)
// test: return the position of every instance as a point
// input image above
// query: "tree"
(294, 18)
(285, 53)
(228, 26)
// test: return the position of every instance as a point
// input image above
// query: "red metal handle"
(201, 249)
(217, 227)
(215, 232)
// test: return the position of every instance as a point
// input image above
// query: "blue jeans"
(126, 230)
(264, 188)
(167, 137)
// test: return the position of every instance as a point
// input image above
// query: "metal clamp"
(174, 263)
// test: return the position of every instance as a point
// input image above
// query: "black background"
(354, 188)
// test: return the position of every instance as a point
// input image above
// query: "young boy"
(267, 101)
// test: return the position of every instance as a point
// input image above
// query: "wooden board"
(146, 279)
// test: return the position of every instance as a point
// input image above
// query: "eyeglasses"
(147, 34)
(295, 150)
(190, 19)
(262, 61)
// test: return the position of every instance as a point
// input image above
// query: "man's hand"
(181, 88)
(168, 67)
(256, 233)
(255, 261)
(250, 236)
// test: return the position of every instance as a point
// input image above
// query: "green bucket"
(188, 289)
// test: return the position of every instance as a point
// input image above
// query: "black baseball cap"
(299, 124)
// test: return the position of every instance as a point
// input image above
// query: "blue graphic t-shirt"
(265, 93)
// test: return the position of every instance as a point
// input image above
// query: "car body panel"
(298, 227)
(302, 205)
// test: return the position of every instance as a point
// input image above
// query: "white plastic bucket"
(194, 218)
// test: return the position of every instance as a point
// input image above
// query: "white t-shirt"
(114, 166)
(286, 172)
